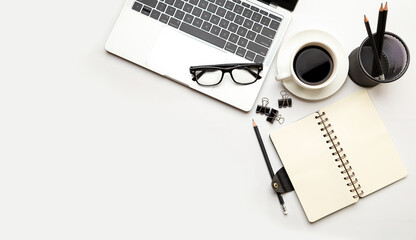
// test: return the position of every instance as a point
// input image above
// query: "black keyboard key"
(203, 4)
(220, 2)
(237, 1)
(164, 18)
(250, 55)
(206, 26)
(224, 34)
(188, 8)
(155, 14)
(206, 15)
(233, 38)
(198, 33)
(197, 12)
(248, 24)
(241, 52)
(170, 11)
(245, 4)
(174, 22)
(268, 32)
(264, 12)
(169, 2)
(257, 48)
(254, 9)
(238, 9)
(239, 20)
(229, 5)
(224, 23)
(161, 7)
(259, 59)
(137, 6)
(230, 47)
(151, 3)
(197, 22)
(212, 8)
(230, 16)
(215, 30)
(188, 18)
(256, 17)
(179, 14)
(242, 31)
(242, 42)
(263, 40)
(215, 19)
(274, 25)
(257, 28)
(233, 27)
(275, 17)
(247, 13)
(179, 4)
(146, 10)
(213, 1)
(265, 21)
(221, 12)
(251, 35)
(193, 2)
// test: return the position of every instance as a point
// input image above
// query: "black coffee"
(313, 65)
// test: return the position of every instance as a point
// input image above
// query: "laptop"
(169, 36)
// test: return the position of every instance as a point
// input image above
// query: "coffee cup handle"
(283, 77)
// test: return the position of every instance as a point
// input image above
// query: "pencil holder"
(394, 60)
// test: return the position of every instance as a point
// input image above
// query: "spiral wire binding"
(339, 152)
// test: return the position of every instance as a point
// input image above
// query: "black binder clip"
(285, 101)
(263, 109)
(281, 182)
(272, 115)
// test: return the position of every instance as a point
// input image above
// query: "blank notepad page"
(309, 162)
(366, 142)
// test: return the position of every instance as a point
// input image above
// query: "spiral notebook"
(338, 155)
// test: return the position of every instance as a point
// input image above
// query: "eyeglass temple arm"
(257, 76)
(196, 76)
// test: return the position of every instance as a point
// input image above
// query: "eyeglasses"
(241, 73)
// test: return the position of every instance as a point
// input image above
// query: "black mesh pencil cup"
(394, 60)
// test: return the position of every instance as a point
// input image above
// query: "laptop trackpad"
(174, 52)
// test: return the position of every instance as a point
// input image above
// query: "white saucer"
(290, 46)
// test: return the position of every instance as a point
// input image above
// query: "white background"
(95, 147)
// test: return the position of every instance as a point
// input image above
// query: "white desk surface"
(94, 147)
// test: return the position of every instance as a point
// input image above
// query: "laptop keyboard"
(235, 26)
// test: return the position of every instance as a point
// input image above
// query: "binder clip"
(285, 101)
(272, 115)
(275, 116)
(263, 109)
(281, 182)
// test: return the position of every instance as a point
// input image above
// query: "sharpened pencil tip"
(381, 7)
(365, 18)
(254, 123)
(386, 7)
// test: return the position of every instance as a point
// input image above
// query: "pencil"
(382, 30)
(269, 166)
(379, 37)
(376, 58)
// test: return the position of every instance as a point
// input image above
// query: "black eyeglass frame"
(224, 68)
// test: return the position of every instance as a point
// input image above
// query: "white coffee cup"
(292, 76)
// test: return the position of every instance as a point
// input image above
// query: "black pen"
(269, 166)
